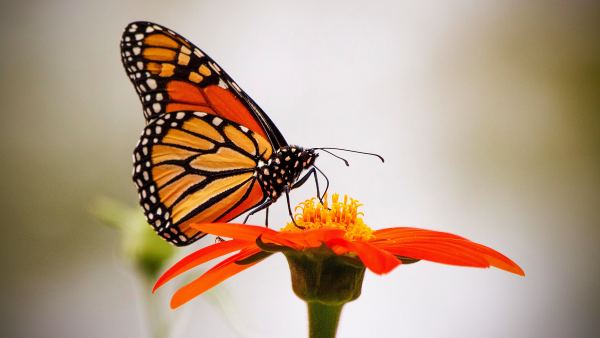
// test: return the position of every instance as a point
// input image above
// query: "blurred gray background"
(488, 114)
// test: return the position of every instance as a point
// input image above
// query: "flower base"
(325, 281)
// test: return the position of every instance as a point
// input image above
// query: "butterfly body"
(208, 152)
(283, 169)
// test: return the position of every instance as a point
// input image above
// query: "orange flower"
(336, 230)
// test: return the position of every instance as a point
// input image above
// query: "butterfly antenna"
(334, 155)
(350, 151)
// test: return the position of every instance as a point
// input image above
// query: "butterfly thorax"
(283, 169)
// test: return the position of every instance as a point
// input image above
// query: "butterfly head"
(307, 157)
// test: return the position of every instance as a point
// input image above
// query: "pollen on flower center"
(342, 215)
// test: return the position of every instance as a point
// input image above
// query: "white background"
(486, 114)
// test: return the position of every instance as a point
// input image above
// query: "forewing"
(171, 74)
(196, 167)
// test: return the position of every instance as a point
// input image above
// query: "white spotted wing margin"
(141, 37)
(192, 167)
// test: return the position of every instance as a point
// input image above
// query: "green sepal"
(270, 247)
(407, 260)
(320, 275)
(254, 258)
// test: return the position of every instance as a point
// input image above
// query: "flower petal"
(311, 238)
(377, 260)
(243, 232)
(201, 256)
(212, 277)
(233, 230)
(441, 247)
(438, 252)
(407, 233)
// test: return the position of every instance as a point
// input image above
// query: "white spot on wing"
(151, 83)
(237, 88)
(214, 67)
(222, 84)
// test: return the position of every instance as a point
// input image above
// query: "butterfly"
(208, 152)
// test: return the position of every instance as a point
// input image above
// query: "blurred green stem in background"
(139, 243)
(149, 253)
(142, 248)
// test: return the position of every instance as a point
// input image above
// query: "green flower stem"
(159, 326)
(325, 281)
(323, 319)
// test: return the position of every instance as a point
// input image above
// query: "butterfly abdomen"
(283, 169)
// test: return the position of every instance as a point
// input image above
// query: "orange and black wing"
(196, 167)
(171, 74)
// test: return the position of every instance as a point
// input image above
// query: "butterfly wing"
(171, 74)
(196, 167)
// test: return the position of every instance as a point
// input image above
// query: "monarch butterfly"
(208, 152)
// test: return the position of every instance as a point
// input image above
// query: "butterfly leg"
(265, 205)
(305, 178)
(326, 180)
(289, 205)
(267, 217)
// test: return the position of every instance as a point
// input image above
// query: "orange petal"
(201, 256)
(233, 230)
(312, 238)
(212, 277)
(439, 253)
(400, 233)
(498, 260)
(244, 232)
(441, 247)
(377, 260)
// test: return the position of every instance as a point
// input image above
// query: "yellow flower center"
(342, 215)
